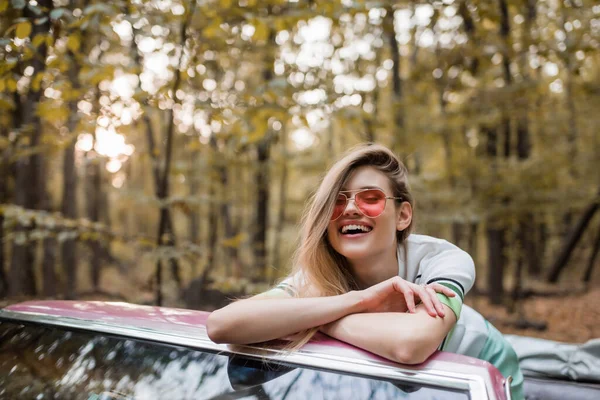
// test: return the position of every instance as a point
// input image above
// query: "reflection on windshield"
(47, 363)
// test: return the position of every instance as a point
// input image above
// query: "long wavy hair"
(315, 260)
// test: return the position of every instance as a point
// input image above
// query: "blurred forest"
(161, 152)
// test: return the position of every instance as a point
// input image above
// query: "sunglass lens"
(340, 206)
(371, 202)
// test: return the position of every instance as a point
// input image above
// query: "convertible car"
(101, 350)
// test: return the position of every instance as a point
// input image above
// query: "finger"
(398, 284)
(442, 289)
(403, 287)
(426, 299)
(384, 288)
(409, 295)
(436, 301)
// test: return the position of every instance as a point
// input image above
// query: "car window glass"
(46, 362)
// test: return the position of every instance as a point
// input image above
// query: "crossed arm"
(399, 336)
(402, 337)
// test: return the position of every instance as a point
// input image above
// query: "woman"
(361, 277)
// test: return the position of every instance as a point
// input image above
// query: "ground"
(573, 319)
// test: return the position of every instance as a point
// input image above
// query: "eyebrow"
(343, 189)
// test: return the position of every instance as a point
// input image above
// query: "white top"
(424, 259)
(436, 260)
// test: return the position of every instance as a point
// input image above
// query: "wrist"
(355, 301)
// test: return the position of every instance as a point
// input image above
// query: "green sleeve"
(455, 303)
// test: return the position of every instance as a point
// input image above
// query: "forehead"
(367, 176)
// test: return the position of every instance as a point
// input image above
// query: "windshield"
(49, 362)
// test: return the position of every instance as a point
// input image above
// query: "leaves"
(311, 79)
(98, 8)
(261, 31)
(235, 241)
(40, 21)
(58, 13)
(39, 39)
(74, 42)
(11, 85)
(23, 30)
(18, 4)
(51, 112)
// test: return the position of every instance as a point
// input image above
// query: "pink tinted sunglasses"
(370, 202)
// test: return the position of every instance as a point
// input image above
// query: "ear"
(403, 216)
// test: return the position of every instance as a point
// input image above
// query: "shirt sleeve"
(286, 288)
(450, 267)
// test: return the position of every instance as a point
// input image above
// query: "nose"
(351, 208)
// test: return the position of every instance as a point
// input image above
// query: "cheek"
(331, 233)
(387, 225)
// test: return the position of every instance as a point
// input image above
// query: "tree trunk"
(565, 253)
(590, 267)
(155, 163)
(469, 26)
(49, 244)
(529, 249)
(572, 135)
(69, 192)
(4, 172)
(94, 205)
(3, 280)
(473, 249)
(263, 155)
(194, 225)
(390, 33)
(495, 236)
(496, 263)
(277, 261)
(50, 281)
(472, 65)
(27, 182)
(165, 223)
(228, 228)
(213, 220)
(262, 208)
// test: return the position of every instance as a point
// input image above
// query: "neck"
(375, 269)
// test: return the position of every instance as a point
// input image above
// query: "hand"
(399, 295)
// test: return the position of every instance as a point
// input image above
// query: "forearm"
(259, 320)
(401, 337)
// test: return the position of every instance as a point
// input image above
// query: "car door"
(42, 361)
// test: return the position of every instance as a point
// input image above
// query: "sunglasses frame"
(353, 198)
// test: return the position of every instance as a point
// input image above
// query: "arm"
(402, 337)
(276, 314)
(265, 318)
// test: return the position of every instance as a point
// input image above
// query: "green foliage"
(23, 30)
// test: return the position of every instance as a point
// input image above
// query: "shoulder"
(429, 242)
(422, 247)
(435, 259)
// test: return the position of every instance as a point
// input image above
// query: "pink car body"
(188, 328)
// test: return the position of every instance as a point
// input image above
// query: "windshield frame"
(378, 369)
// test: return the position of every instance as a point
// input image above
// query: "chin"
(355, 253)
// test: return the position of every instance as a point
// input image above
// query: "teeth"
(363, 228)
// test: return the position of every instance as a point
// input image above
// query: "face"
(356, 236)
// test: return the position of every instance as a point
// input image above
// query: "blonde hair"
(315, 260)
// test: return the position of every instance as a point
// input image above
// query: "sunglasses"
(370, 202)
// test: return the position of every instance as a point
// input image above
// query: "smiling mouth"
(355, 229)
